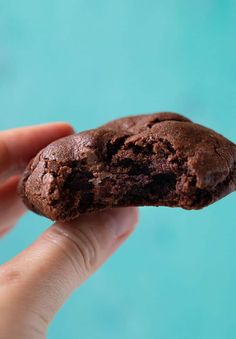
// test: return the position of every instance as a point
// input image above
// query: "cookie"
(160, 159)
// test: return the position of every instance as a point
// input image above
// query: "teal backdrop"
(86, 62)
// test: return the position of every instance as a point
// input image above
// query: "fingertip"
(62, 125)
(61, 128)
(126, 219)
(121, 220)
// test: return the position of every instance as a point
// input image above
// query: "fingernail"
(123, 220)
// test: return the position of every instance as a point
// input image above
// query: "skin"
(35, 283)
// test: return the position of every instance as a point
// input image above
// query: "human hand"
(35, 283)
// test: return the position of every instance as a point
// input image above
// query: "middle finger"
(11, 206)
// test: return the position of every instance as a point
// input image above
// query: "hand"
(34, 284)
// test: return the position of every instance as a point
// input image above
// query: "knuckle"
(39, 322)
(9, 276)
(79, 245)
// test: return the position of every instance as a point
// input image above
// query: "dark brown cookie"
(156, 159)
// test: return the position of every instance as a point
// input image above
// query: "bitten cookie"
(156, 159)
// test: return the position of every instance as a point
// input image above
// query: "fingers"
(11, 206)
(19, 145)
(43, 276)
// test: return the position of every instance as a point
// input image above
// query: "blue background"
(87, 62)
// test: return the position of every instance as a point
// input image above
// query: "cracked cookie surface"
(160, 159)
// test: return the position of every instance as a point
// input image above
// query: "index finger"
(19, 145)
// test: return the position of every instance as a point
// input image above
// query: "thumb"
(40, 279)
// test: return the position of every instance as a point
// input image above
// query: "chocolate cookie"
(156, 159)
